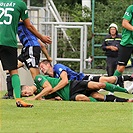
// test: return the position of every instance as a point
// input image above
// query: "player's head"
(45, 66)
(113, 29)
(26, 91)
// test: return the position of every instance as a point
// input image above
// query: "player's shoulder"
(130, 6)
(58, 68)
(59, 65)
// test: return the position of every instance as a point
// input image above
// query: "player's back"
(26, 37)
(10, 13)
(72, 75)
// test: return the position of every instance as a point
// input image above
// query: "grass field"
(67, 117)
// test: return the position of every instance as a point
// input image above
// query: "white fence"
(53, 26)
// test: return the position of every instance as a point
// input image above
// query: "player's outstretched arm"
(47, 88)
(29, 26)
(44, 50)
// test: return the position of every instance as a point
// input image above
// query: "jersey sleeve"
(128, 13)
(58, 68)
(24, 11)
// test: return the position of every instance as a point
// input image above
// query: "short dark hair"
(45, 61)
(21, 88)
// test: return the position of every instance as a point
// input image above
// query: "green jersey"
(10, 13)
(40, 88)
(127, 35)
(64, 93)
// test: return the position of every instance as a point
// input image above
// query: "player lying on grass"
(65, 73)
(74, 90)
(33, 90)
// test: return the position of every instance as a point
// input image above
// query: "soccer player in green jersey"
(11, 11)
(46, 85)
(126, 45)
(30, 90)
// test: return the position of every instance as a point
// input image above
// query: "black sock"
(120, 81)
(127, 78)
(85, 78)
(9, 85)
(112, 98)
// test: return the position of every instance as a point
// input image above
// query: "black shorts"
(124, 55)
(77, 87)
(92, 78)
(30, 56)
(8, 57)
(95, 78)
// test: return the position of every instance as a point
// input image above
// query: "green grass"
(67, 117)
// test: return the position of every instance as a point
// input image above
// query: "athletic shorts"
(124, 55)
(77, 87)
(8, 57)
(30, 56)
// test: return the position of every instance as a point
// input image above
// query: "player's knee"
(101, 85)
(103, 79)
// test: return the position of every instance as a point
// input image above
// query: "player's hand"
(46, 39)
(50, 59)
(58, 98)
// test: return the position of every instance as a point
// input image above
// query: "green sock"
(16, 85)
(112, 88)
(92, 99)
(117, 73)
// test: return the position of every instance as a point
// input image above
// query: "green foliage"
(111, 12)
(68, 3)
(100, 64)
(79, 14)
(36, 3)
